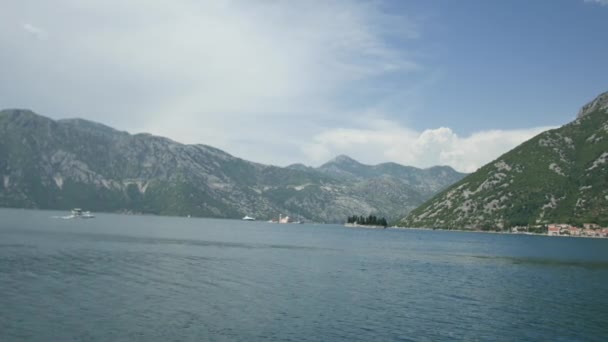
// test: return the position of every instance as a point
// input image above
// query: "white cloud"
(387, 140)
(35, 31)
(601, 2)
(214, 72)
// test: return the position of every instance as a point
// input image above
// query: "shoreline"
(502, 233)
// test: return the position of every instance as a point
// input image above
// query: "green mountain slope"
(560, 175)
(62, 164)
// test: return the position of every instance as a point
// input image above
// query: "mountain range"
(61, 164)
(560, 175)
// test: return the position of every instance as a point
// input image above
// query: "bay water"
(148, 278)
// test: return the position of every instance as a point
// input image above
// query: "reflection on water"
(157, 279)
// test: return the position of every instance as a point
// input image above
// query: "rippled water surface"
(136, 278)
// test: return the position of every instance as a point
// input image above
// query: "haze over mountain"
(560, 175)
(69, 163)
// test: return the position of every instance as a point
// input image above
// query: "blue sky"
(416, 82)
(511, 64)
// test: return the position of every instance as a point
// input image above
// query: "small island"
(366, 222)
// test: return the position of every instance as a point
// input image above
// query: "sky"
(420, 83)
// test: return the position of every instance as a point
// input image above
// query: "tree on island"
(371, 220)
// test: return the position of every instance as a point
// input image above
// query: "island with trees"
(370, 221)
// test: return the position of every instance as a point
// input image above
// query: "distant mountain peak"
(599, 103)
(20, 113)
(343, 159)
(297, 166)
(17, 111)
(440, 168)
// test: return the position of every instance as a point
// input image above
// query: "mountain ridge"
(59, 164)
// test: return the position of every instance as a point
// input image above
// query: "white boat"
(79, 213)
(247, 218)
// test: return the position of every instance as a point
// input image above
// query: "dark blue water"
(134, 278)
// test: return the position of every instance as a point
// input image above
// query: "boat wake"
(68, 217)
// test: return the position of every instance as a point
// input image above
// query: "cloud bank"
(441, 146)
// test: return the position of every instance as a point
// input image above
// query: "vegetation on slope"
(558, 176)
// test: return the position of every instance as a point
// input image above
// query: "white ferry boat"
(247, 218)
(79, 213)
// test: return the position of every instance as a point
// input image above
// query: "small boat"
(79, 213)
(247, 218)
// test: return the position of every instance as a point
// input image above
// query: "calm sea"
(140, 278)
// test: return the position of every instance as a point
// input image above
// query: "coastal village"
(563, 229)
(588, 230)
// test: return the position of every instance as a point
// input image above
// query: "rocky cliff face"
(558, 176)
(77, 163)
